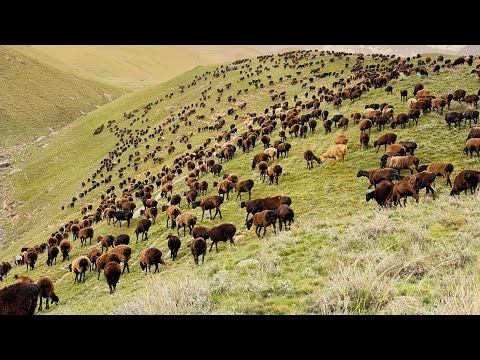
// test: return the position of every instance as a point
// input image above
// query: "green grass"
(343, 255)
(37, 99)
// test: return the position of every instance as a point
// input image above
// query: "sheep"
(272, 203)
(65, 248)
(400, 162)
(310, 156)
(364, 139)
(381, 192)
(327, 124)
(427, 178)
(263, 219)
(52, 255)
(341, 139)
(284, 213)
(185, 219)
(198, 247)
(271, 151)
(224, 187)
(122, 215)
(258, 158)
(274, 172)
(404, 188)
(19, 299)
(216, 169)
(474, 133)
(365, 124)
(150, 256)
(262, 169)
(172, 211)
(377, 176)
(124, 253)
(112, 273)
(385, 139)
(174, 244)
(409, 146)
(283, 148)
(466, 179)
(472, 145)
(46, 291)
(442, 169)
(244, 186)
(336, 151)
(106, 241)
(209, 203)
(122, 239)
(84, 233)
(79, 267)
(103, 260)
(221, 232)
(142, 228)
(30, 258)
(93, 255)
(5, 267)
(174, 200)
(395, 150)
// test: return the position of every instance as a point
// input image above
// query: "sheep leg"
(203, 258)
(210, 210)
(203, 212)
(216, 246)
(40, 306)
(280, 225)
(264, 231)
(183, 230)
(220, 213)
(274, 228)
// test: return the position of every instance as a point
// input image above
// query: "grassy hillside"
(134, 66)
(37, 99)
(343, 255)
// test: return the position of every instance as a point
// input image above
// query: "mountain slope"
(36, 99)
(342, 255)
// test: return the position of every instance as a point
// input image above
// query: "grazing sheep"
(364, 139)
(474, 133)
(198, 247)
(30, 259)
(341, 139)
(272, 152)
(283, 149)
(327, 124)
(142, 228)
(400, 162)
(395, 150)
(310, 156)
(174, 244)
(19, 299)
(150, 256)
(106, 241)
(471, 114)
(365, 124)
(261, 220)
(442, 169)
(150, 213)
(123, 253)
(209, 203)
(103, 260)
(65, 248)
(472, 145)
(122, 215)
(336, 151)
(122, 239)
(185, 219)
(465, 180)
(262, 169)
(83, 234)
(274, 172)
(46, 291)
(377, 176)
(427, 178)
(285, 213)
(224, 187)
(381, 192)
(93, 255)
(244, 186)
(454, 117)
(112, 272)
(409, 146)
(52, 255)
(404, 188)
(259, 158)
(172, 211)
(79, 266)
(221, 232)
(385, 139)
(257, 205)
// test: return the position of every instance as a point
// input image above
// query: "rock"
(246, 262)
(5, 164)
(50, 129)
(14, 171)
(40, 139)
(108, 96)
(44, 146)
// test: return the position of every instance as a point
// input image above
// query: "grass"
(342, 255)
(37, 99)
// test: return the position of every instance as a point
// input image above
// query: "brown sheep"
(409, 146)
(341, 139)
(285, 213)
(338, 152)
(244, 186)
(112, 274)
(106, 241)
(400, 162)
(142, 228)
(84, 233)
(222, 232)
(427, 179)
(364, 139)
(472, 145)
(52, 255)
(123, 253)
(365, 124)
(19, 299)
(172, 212)
(465, 180)
(92, 255)
(185, 219)
(103, 260)
(381, 192)
(122, 239)
(150, 256)
(198, 247)
(274, 172)
(377, 176)
(395, 150)
(474, 133)
(257, 205)
(174, 244)
(259, 158)
(224, 187)
(65, 248)
(79, 266)
(200, 231)
(442, 169)
(209, 203)
(385, 139)
(46, 291)
(262, 169)
(263, 220)
(310, 156)
(30, 259)
(403, 189)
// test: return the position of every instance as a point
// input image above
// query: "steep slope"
(343, 255)
(37, 99)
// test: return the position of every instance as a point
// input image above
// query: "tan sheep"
(338, 152)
